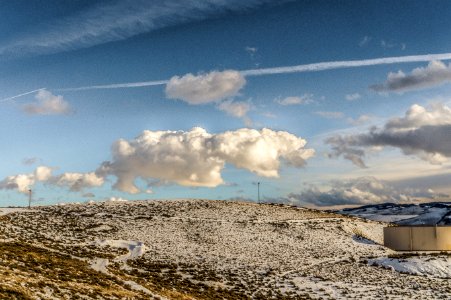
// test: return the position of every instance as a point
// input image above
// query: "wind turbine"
(29, 198)
(258, 191)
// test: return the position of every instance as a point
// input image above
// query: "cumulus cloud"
(23, 182)
(20, 182)
(436, 73)
(330, 114)
(238, 109)
(361, 191)
(353, 97)
(205, 88)
(197, 158)
(425, 133)
(296, 100)
(47, 104)
(73, 181)
(77, 181)
(43, 173)
(190, 158)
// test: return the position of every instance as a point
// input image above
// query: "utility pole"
(258, 191)
(29, 198)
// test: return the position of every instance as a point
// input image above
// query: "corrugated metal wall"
(414, 238)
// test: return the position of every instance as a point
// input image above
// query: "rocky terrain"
(199, 249)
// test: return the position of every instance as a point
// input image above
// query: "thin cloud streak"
(115, 86)
(322, 66)
(20, 95)
(119, 20)
(315, 67)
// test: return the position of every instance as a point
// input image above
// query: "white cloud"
(330, 114)
(425, 133)
(77, 181)
(205, 88)
(417, 116)
(436, 73)
(197, 158)
(353, 97)
(43, 173)
(47, 104)
(238, 109)
(73, 181)
(20, 182)
(23, 182)
(296, 100)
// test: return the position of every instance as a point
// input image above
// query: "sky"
(325, 103)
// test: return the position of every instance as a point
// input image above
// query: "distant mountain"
(432, 213)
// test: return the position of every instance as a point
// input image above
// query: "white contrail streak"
(315, 67)
(20, 95)
(322, 66)
(345, 64)
(115, 86)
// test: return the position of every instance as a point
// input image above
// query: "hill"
(199, 249)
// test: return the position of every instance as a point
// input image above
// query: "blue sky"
(57, 138)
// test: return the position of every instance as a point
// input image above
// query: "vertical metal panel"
(397, 238)
(418, 238)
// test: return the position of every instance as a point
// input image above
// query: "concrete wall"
(418, 238)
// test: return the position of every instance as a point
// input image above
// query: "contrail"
(345, 64)
(115, 86)
(315, 67)
(20, 95)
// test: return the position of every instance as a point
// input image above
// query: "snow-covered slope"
(198, 249)
(434, 213)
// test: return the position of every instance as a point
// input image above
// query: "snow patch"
(116, 199)
(102, 227)
(10, 210)
(100, 265)
(135, 248)
(425, 265)
(386, 218)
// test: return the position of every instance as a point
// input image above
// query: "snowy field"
(198, 249)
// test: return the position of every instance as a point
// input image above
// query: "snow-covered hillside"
(433, 213)
(198, 249)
